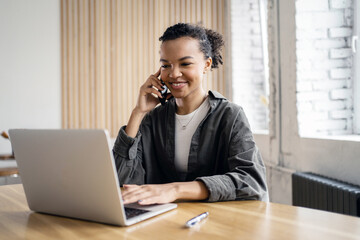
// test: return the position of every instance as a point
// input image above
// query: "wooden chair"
(7, 171)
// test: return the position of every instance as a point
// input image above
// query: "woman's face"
(183, 66)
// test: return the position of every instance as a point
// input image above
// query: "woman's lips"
(178, 85)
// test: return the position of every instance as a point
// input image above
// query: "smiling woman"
(196, 146)
(110, 47)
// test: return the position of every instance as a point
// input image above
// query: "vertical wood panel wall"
(110, 47)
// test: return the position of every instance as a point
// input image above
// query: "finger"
(128, 191)
(134, 192)
(135, 196)
(157, 74)
(149, 201)
(154, 199)
(155, 82)
(129, 198)
(153, 91)
(152, 82)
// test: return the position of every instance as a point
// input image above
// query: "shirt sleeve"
(127, 153)
(246, 179)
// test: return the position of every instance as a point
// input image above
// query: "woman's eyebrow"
(180, 59)
(183, 58)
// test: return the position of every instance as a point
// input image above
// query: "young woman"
(197, 146)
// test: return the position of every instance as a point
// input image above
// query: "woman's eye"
(185, 64)
(164, 66)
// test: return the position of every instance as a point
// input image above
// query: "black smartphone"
(163, 92)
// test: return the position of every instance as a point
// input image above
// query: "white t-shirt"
(185, 128)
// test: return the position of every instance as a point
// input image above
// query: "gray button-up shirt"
(223, 154)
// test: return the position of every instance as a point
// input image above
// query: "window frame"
(356, 67)
(284, 148)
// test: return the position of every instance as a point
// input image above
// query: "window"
(249, 60)
(310, 77)
(325, 83)
(356, 67)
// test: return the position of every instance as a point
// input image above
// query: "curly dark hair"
(210, 41)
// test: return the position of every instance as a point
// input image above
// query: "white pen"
(196, 219)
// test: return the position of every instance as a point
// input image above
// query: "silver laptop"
(72, 173)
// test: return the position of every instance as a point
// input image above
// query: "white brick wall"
(307, 20)
(340, 53)
(340, 32)
(311, 5)
(247, 62)
(340, 73)
(324, 61)
(340, 4)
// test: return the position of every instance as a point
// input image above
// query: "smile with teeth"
(178, 85)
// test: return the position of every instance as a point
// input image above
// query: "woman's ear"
(208, 64)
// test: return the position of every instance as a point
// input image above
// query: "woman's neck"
(190, 103)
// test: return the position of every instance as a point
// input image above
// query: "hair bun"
(216, 42)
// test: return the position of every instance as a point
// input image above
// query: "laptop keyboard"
(133, 212)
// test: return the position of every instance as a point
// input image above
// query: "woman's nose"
(175, 72)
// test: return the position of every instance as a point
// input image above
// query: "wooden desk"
(8, 171)
(6, 157)
(227, 220)
(8, 167)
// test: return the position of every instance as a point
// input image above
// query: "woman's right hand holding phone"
(146, 102)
